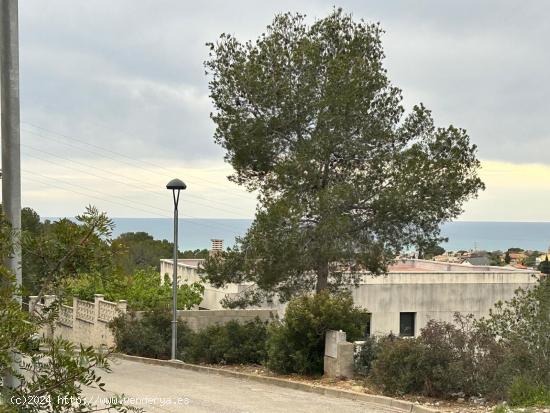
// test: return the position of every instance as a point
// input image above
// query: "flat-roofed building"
(406, 298)
(416, 291)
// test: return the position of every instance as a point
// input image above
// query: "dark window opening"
(407, 324)
(367, 326)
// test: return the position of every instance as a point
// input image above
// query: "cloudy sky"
(114, 100)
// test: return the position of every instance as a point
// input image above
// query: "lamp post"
(175, 185)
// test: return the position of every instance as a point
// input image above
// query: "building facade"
(417, 291)
(406, 298)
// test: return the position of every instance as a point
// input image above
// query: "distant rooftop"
(415, 265)
(404, 266)
(185, 262)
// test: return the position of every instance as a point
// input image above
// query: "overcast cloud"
(127, 76)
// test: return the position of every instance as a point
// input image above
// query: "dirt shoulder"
(460, 405)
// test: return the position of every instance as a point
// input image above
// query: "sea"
(462, 235)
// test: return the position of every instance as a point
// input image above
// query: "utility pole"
(9, 106)
(9, 129)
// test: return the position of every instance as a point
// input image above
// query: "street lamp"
(176, 185)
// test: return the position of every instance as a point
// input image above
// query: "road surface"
(167, 389)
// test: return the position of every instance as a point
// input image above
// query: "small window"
(367, 326)
(406, 324)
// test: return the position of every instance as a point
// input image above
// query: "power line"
(98, 192)
(102, 197)
(93, 196)
(141, 188)
(109, 151)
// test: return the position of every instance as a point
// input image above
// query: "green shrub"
(148, 335)
(364, 358)
(398, 368)
(142, 290)
(296, 345)
(445, 359)
(523, 327)
(500, 409)
(492, 356)
(461, 358)
(230, 343)
(524, 392)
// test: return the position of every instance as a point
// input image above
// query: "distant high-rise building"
(216, 246)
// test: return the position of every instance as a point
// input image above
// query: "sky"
(114, 99)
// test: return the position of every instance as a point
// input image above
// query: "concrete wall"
(187, 270)
(435, 295)
(200, 319)
(85, 322)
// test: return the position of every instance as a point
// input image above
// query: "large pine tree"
(309, 119)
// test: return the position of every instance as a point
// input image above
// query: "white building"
(416, 291)
(188, 273)
(403, 301)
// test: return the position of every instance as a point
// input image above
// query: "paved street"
(166, 389)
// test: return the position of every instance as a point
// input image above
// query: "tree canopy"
(427, 252)
(50, 369)
(139, 251)
(309, 118)
(507, 257)
(544, 266)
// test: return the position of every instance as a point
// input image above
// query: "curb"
(403, 405)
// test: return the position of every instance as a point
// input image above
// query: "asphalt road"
(166, 389)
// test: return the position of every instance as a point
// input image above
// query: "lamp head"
(176, 184)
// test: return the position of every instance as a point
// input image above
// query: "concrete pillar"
(97, 329)
(345, 362)
(49, 327)
(74, 330)
(122, 306)
(33, 300)
(49, 300)
(338, 359)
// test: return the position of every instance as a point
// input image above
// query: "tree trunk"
(322, 277)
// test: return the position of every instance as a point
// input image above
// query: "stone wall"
(85, 322)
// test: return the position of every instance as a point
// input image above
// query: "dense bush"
(525, 392)
(230, 343)
(492, 356)
(150, 335)
(461, 357)
(522, 325)
(142, 290)
(445, 359)
(296, 345)
(366, 355)
(398, 368)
